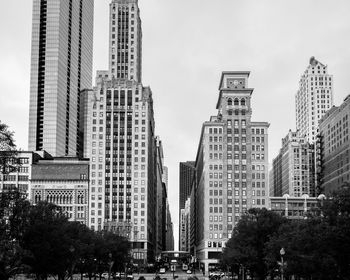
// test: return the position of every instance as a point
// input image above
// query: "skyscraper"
(186, 177)
(313, 99)
(231, 168)
(61, 67)
(125, 181)
(187, 170)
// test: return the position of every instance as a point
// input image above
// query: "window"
(243, 102)
(229, 102)
(236, 102)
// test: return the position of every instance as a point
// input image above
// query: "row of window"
(236, 102)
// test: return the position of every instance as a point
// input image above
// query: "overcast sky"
(186, 45)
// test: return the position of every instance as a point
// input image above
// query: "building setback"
(333, 156)
(231, 169)
(61, 67)
(313, 99)
(293, 170)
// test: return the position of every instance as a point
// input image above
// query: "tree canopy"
(317, 247)
(39, 239)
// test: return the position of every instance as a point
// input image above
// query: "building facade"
(125, 40)
(313, 99)
(61, 67)
(123, 193)
(64, 182)
(333, 160)
(231, 169)
(21, 173)
(293, 170)
(185, 227)
(169, 231)
(293, 207)
(186, 173)
(127, 169)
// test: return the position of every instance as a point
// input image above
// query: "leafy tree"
(13, 209)
(318, 247)
(246, 248)
(8, 162)
(47, 241)
(306, 249)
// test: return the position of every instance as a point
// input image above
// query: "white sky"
(186, 45)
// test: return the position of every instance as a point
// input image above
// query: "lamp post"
(110, 265)
(282, 253)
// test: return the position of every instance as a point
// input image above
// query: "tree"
(13, 209)
(306, 249)
(48, 242)
(246, 248)
(8, 162)
(317, 247)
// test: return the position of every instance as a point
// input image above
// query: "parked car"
(104, 275)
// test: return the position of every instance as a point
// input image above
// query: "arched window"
(229, 102)
(236, 102)
(243, 102)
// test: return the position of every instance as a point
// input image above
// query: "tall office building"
(231, 168)
(313, 99)
(333, 158)
(61, 67)
(186, 177)
(125, 180)
(186, 174)
(293, 170)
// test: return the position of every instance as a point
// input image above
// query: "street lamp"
(282, 253)
(110, 264)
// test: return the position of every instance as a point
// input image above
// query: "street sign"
(173, 268)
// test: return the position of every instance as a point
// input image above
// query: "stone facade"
(231, 169)
(334, 148)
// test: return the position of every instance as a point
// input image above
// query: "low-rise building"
(20, 174)
(64, 182)
(293, 207)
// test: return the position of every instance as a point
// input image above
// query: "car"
(104, 275)
(162, 270)
(189, 271)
